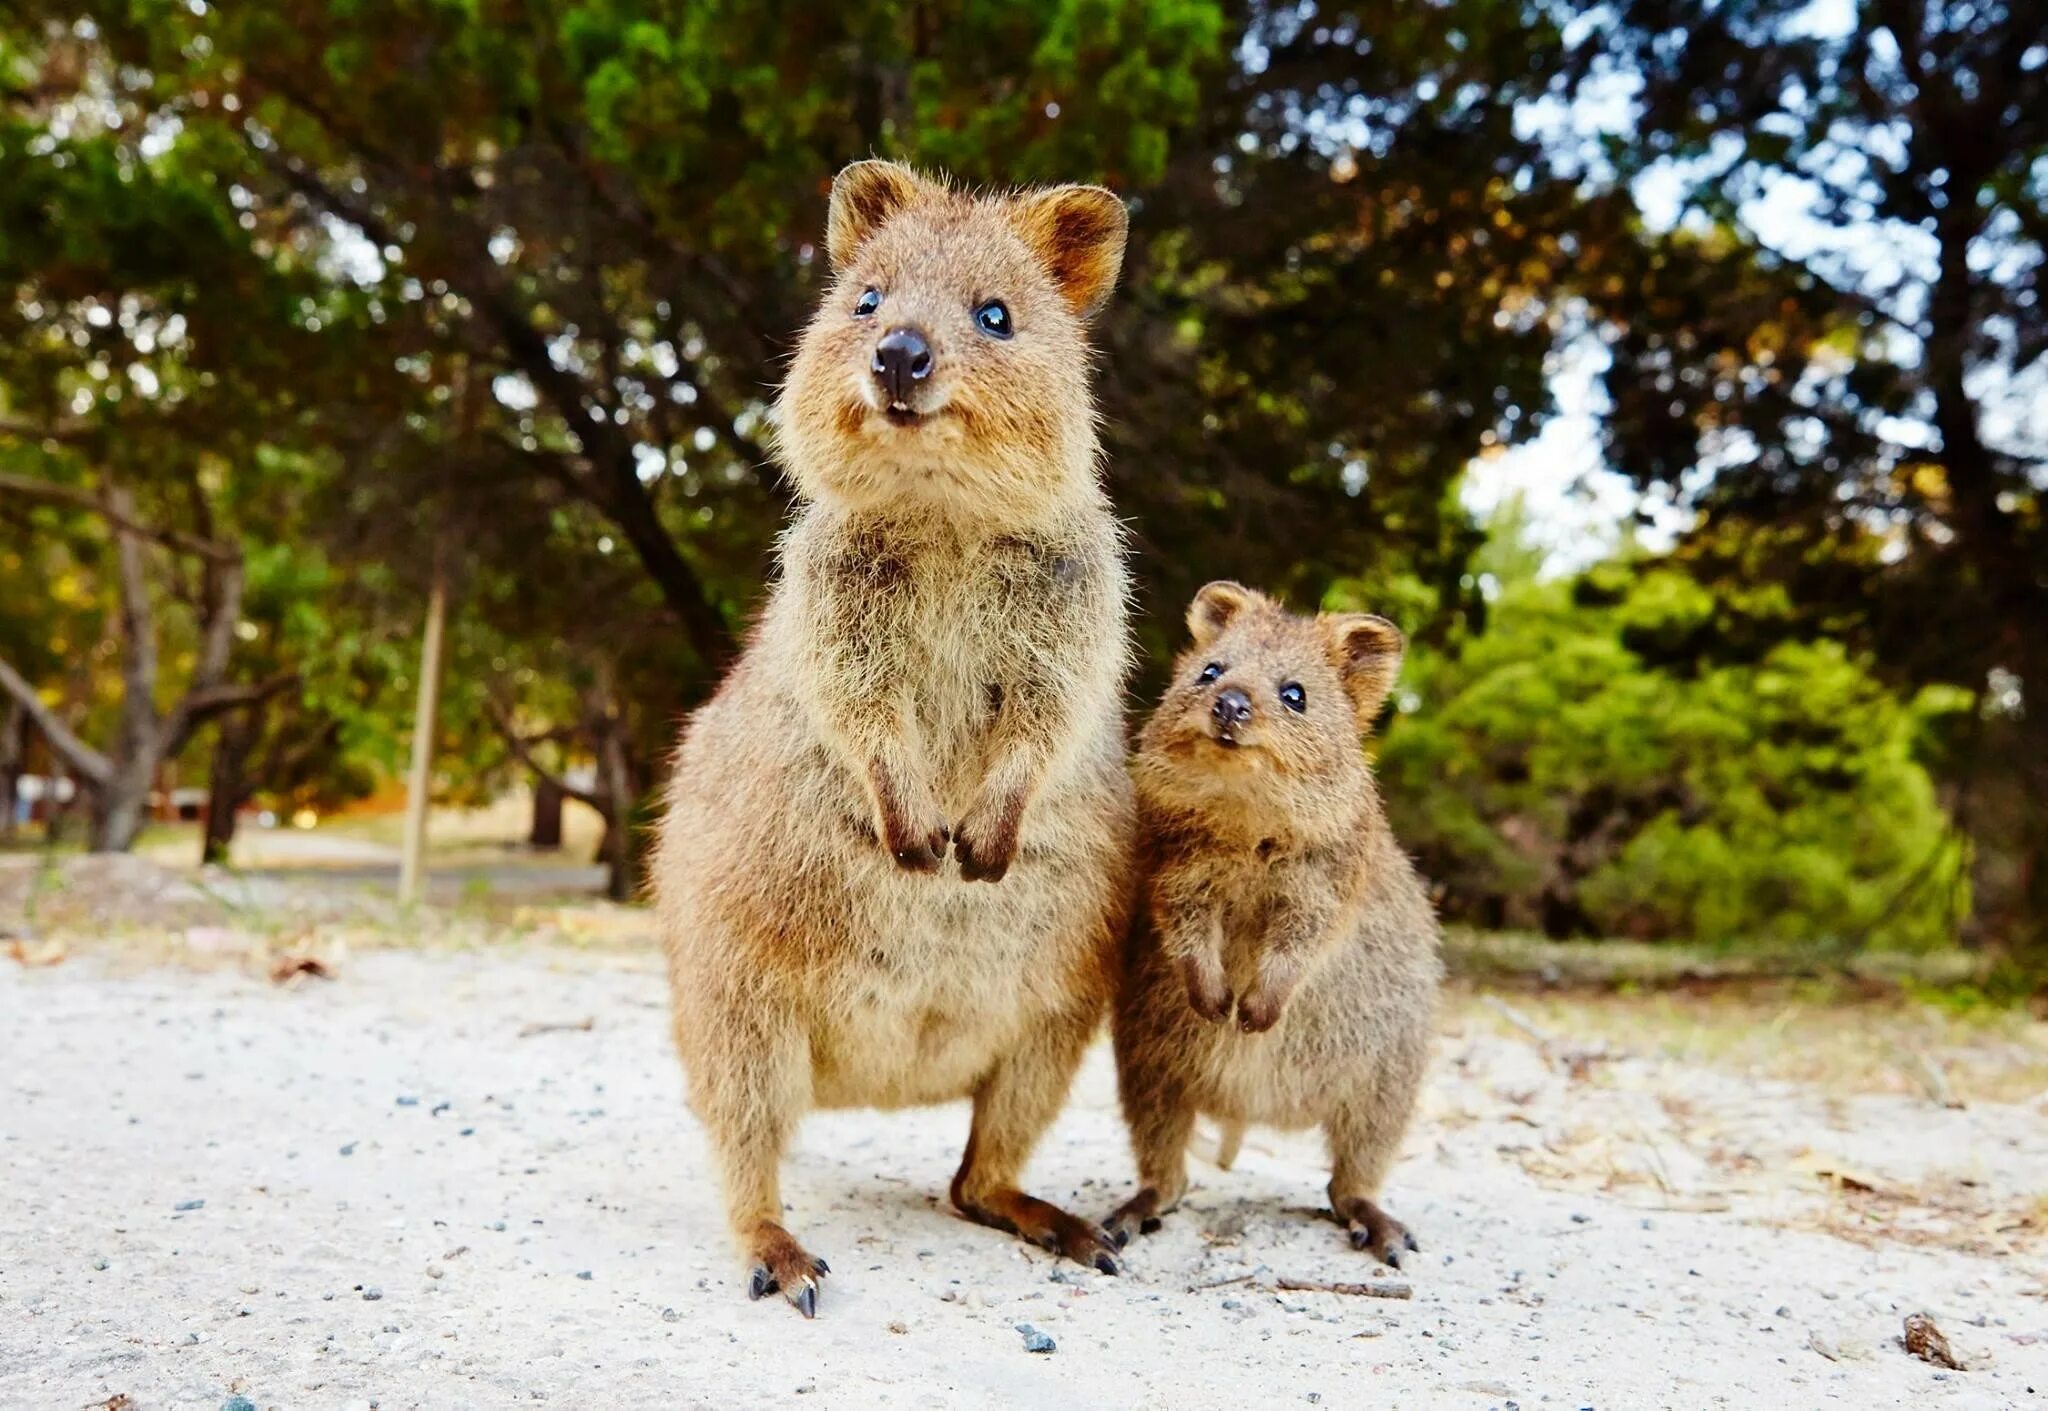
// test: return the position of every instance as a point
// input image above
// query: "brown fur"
(940, 665)
(1285, 967)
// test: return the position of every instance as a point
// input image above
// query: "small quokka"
(939, 670)
(1285, 965)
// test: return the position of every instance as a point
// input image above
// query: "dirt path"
(407, 1203)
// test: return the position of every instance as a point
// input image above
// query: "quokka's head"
(1265, 696)
(947, 368)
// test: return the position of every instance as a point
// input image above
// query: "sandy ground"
(382, 1190)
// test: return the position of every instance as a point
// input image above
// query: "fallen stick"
(1377, 1288)
(1519, 1020)
(1937, 1082)
(569, 1026)
(1221, 1283)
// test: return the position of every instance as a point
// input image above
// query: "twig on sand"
(566, 1026)
(1374, 1288)
(1520, 1020)
(1222, 1283)
(1937, 1081)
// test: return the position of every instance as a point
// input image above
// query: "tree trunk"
(615, 785)
(121, 806)
(548, 798)
(13, 746)
(419, 782)
(227, 785)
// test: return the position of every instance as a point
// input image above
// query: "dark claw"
(976, 869)
(821, 1266)
(1105, 1263)
(1409, 1240)
(1392, 1258)
(807, 1301)
(1360, 1239)
(1121, 1235)
(918, 859)
(1149, 1225)
(762, 1283)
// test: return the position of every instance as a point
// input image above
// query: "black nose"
(1231, 707)
(901, 358)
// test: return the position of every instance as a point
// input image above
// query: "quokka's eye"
(1293, 697)
(1209, 673)
(870, 300)
(993, 318)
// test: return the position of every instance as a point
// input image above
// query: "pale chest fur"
(938, 629)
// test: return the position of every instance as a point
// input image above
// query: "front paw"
(915, 837)
(1208, 988)
(916, 847)
(986, 840)
(1260, 1008)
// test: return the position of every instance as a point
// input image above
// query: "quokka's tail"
(1227, 1143)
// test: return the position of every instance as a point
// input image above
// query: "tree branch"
(203, 703)
(49, 491)
(84, 760)
(523, 749)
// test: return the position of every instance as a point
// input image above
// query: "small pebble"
(467, 1132)
(349, 1150)
(669, 1315)
(238, 1403)
(100, 1263)
(189, 1205)
(408, 1102)
(372, 1294)
(583, 1274)
(439, 1108)
(1035, 1341)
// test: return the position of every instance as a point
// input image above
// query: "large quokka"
(1285, 967)
(939, 667)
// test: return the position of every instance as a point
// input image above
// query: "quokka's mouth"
(902, 416)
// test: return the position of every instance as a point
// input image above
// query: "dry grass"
(1815, 1034)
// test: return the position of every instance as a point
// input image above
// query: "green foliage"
(1549, 775)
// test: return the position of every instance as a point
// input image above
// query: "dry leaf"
(1925, 1341)
(42, 953)
(294, 964)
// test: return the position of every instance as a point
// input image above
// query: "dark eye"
(1293, 697)
(869, 301)
(993, 319)
(1209, 673)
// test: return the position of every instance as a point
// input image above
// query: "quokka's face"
(948, 364)
(1264, 692)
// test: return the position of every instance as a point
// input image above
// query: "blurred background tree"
(503, 288)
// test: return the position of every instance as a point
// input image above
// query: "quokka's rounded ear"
(864, 196)
(1215, 606)
(1367, 651)
(1078, 233)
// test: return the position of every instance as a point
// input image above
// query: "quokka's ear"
(1215, 606)
(1367, 651)
(1078, 233)
(864, 196)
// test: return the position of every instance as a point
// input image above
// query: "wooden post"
(420, 779)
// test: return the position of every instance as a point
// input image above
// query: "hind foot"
(1141, 1213)
(1047, 1226)
(780, 1263)
(1376, 1232)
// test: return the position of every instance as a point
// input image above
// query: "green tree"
(1583, 769)
(1854, 402)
